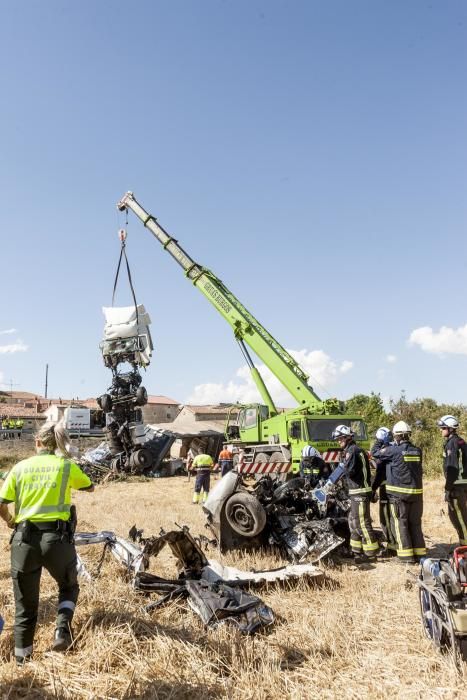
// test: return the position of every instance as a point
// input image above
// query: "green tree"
(422, 415)
(371, 408)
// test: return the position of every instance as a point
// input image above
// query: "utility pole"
(46, 380)
(11, 384)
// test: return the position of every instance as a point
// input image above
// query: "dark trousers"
(203, 480)
(226, 466)
(44, 549)
(457, 506)
(385, 520)
(406, 522)
(362, 537)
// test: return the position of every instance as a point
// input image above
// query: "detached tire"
(105, 402)
(141, 397)
(245, 514)
(141, 460)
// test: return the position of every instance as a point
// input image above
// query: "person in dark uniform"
(41, 487)
(455, 473)
(356, 464)
(312, 465)
(383, 437)
(404, 488)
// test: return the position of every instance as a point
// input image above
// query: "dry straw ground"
(356, 636)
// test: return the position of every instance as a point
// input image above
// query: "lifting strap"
(122, 234)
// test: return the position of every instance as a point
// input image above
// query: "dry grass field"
(357, 635)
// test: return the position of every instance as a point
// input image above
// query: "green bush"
(420, 414)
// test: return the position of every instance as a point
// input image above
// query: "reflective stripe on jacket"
(357, 469)
(455, 462)
(40, 487)
(202, 462)
(404, 469)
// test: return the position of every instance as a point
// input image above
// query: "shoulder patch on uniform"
(449, 452)
(347, 455)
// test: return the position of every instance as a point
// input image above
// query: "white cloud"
(19, 346)
(446, 340)
(8, 332)
(391, 359)
(322, 369)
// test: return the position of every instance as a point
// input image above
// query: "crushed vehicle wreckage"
(214, 592)
(98, 462)
(127, 340)
(305, 523)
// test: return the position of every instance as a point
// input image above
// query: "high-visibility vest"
(202, 462)
(41, 487)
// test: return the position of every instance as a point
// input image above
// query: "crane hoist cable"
(122, 234)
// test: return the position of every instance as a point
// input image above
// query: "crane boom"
(245, 326)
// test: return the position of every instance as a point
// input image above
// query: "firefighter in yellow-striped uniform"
(356, 463)
(312, 465)
(384, 437)
(455, 472)
(40, 487)
(404, 487)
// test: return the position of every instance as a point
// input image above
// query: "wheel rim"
(427, 620)
(242, 517)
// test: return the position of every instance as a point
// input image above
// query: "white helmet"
(448, 422)
(341, 431)
(401, 427)
(310, 451)
(382, 433)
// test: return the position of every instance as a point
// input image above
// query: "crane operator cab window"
(248, 419)
(249, 416)
(295, 430)
(322, 429)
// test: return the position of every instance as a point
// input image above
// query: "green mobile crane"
(263, 433)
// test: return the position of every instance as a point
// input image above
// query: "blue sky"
(312, 154)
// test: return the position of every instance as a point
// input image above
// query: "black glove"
(374, 497)
(447, 496)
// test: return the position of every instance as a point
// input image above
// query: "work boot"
(386, 553)
(21, 660)
(361, 559)
(62, 639)
(403, 562)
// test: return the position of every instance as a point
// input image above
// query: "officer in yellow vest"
(202, 465)
(19, 427)
(40, 487)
